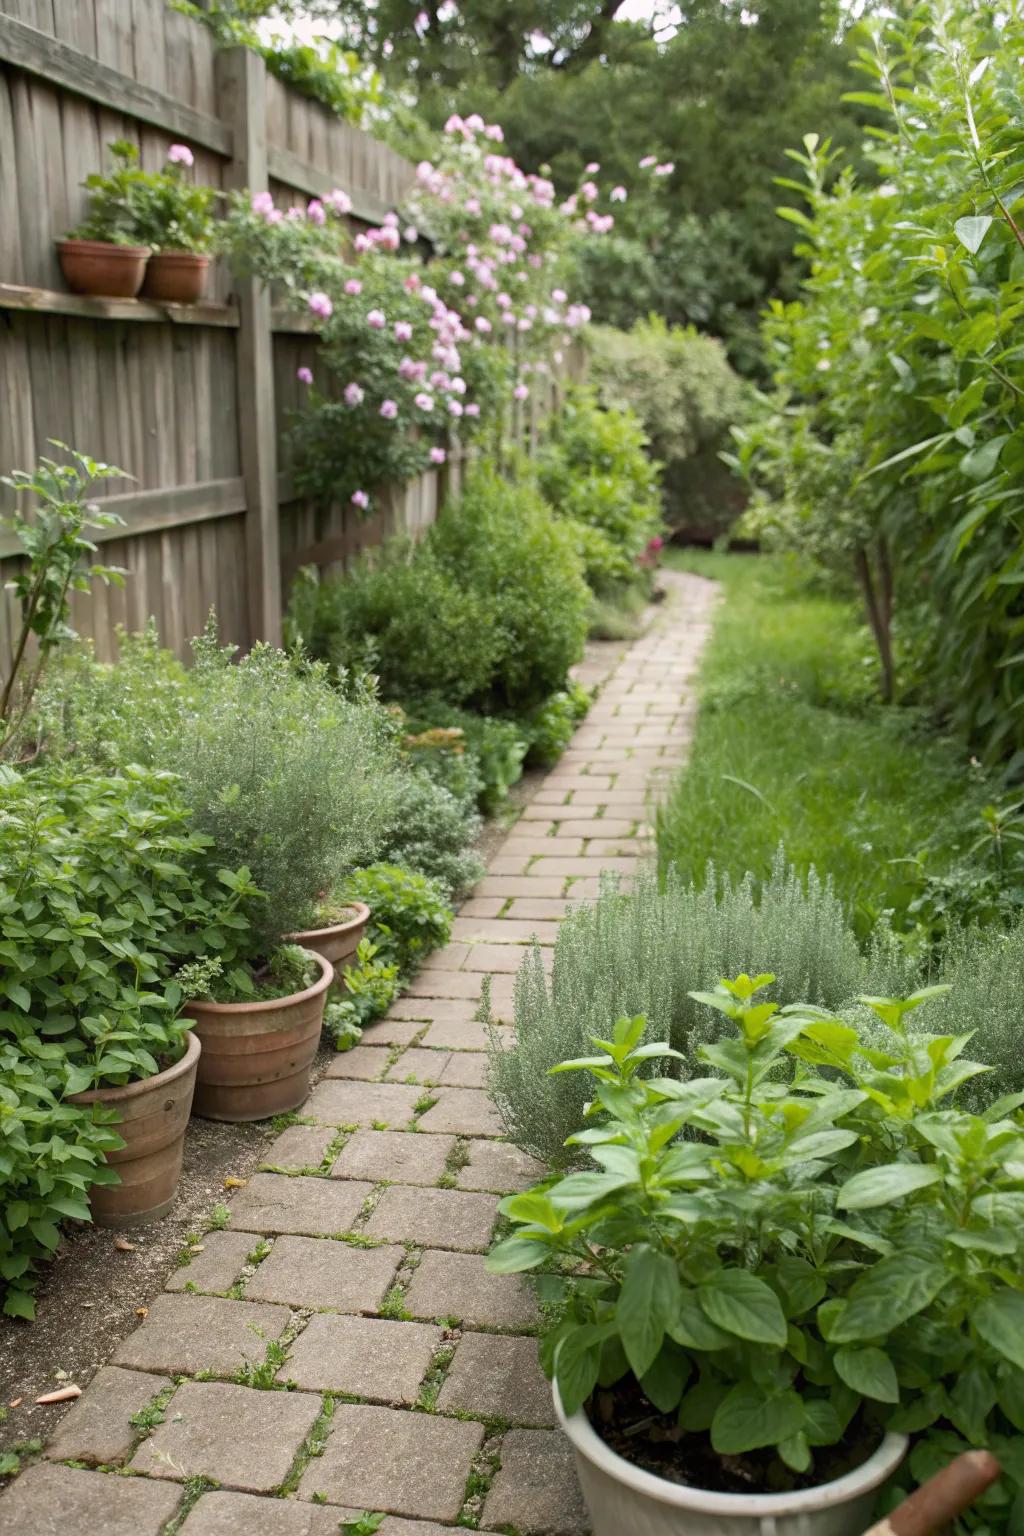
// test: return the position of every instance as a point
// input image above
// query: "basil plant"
(810, 1236)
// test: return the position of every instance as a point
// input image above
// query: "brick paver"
(369, 1267)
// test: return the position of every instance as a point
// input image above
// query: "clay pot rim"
(158, 1080)
(187, 258)
(362, 916)
(233, 1010)
(135, 252)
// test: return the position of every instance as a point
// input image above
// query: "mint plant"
(808, 1247)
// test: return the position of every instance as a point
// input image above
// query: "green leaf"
(16, 1214)
(869, 1372)
(516, 1254)
(999, 1319)
(744, 1305)
(796, 1452)
(577, 1362)
(692, 1329)
(880, 1186)
(748, 1418)
(972, 231)
(19, 1304)
(886, 1296)
(663, 1384)
(648, 1303)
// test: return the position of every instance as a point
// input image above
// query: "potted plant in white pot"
(775, 1275)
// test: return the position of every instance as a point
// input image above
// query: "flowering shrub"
(413, 349)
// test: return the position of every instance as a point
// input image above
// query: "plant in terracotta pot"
(174, 215)
(105, 255)
(105, 892)
(772, 1276)
(293, 777)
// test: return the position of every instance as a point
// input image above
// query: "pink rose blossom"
(503, 301)
(360, 499)
(458, 386)
(410, 234)
(618, 194)
(559, 295)
(180, 154)
(362, 243)
(472, 409)
(493, 131)
(304, 375)
(472, 205)
(389, 409)
(475, 123)
(320, 305)
(455, 407)
(412, 282)
(483, 325)
(376, 319)
(423, 401)
(666, 169)
(439, 380)
(315, 211)
(353, 286)
(521, 392)
(295, 212)
(437, 455)
(275, 216)
(354, 395)
(263, 203)
(403, 330)
(589, 191)
(647, 162)
(339, 201)
(592, 169)
(458, 278)
(508, 317)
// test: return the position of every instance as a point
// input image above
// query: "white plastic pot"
(623, 1500)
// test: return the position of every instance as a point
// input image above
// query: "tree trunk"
(878, 605)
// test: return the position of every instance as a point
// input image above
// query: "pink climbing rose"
(339, 201)
(315, 211)
(354, 395)
(403, 330)
(263, 204)
(180, 154)
(353, 286)
(304, 375)
(423, 401)
(376, 319)
(521, 391)
(437, 455)
(389, 410)
(320, 305)
(360, 499)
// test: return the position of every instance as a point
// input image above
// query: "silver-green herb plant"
(643, 952)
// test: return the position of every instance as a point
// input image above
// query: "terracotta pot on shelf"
(257, 1056)
(625, 1500)
(176, 277)
(102, 269)
(154, 1114)
(338, 942)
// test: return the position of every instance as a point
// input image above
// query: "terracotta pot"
(104, 270)
(154, 1114)
(337, 944)
(176, 277)
(257, 1056)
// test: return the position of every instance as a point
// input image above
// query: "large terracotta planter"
(624, 1500)
(339, 943)
(154, 1114)
(176, 277)
(256, 1056)
(103, 270)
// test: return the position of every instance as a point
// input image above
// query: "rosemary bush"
(644, 953)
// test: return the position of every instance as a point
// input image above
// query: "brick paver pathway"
(353, 1267)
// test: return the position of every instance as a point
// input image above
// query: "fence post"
(241, 81)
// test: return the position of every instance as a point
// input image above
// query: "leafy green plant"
(105, 891)
(51, 1154)
(172, 212)
(443, 738)
(796, 1253)
(643, 951)
(409, 915)
(552, 724)
(371, 986)
(114, 199)
(430, 833)
(57, 550)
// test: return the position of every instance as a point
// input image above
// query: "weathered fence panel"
(191, 402)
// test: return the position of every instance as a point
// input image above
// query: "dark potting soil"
(631, 1427)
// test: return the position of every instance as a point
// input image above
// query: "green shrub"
(409, 915)
(552, 724)
(492, 755)
(105, 891)
(685, 393)
(427, 830)
(488, 612)
(50, 1156)
(644, 953)
(594, 470)
(607, 566)
(370, 986)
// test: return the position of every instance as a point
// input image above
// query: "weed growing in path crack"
(485, 1468)
(430, 1390)
(152, 1414)
(457, 1159)
(262, 1374)
(193, 1490)
(311, 1447)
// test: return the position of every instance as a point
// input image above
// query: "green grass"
(791, 746)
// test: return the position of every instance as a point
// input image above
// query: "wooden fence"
(190, 400)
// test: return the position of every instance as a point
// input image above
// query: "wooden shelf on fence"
(47, 301)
